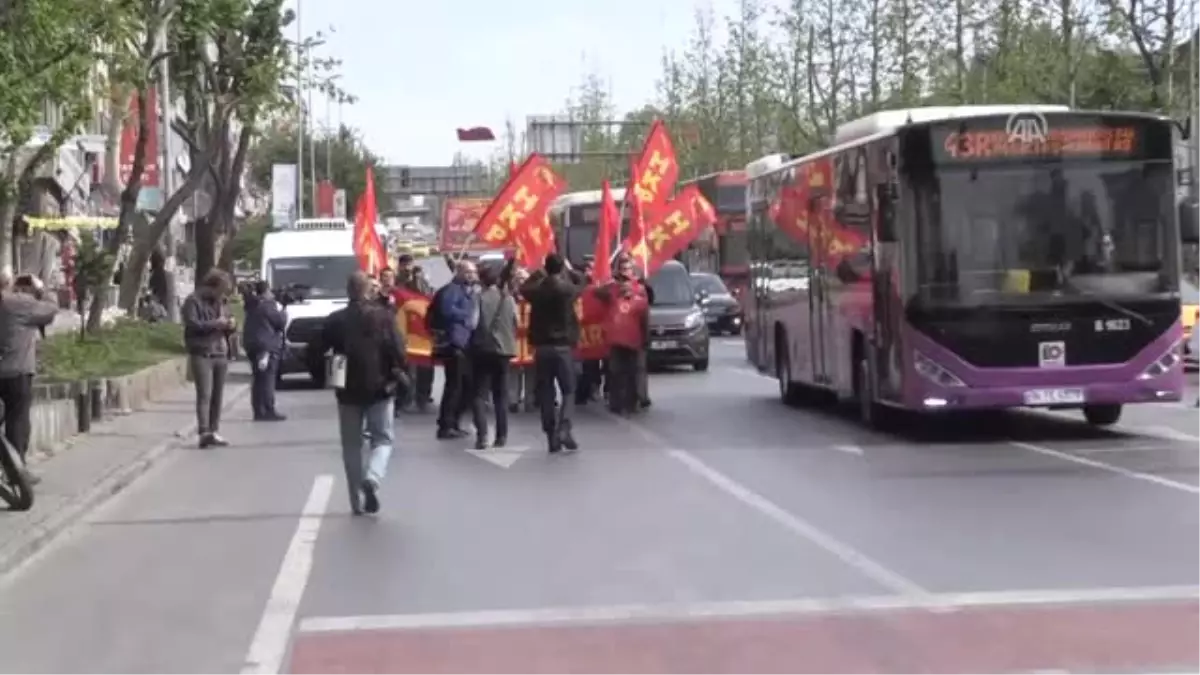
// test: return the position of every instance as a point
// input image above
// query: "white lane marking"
(1105, 466)
(1162, 431)
(270, 644)
(1121, 449)
(735, 609)
(796, 525)
(849, 449)
(800, 527)
(501, 457)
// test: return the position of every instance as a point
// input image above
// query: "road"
(720, 532)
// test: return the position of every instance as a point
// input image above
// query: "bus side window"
(886, 204)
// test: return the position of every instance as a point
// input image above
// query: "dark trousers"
(455, 390)
(590, 378)
(208, 375)
(262, 386)
(489, 379)
(643, 378)
(555, 369)
(623, 379)
(423, 383)
(16, 391)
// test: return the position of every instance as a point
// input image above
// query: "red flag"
(655, 171)
(684, 217)
(367, 247)
(610, 225)
(635, 241)
(512, 167)
(475, 134)
(520, 204)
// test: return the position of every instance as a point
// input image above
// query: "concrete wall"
(56, 415)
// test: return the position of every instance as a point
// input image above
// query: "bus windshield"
(1032, 232)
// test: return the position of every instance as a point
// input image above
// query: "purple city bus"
(971, 257)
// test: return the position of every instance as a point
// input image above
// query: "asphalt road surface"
(720, 532)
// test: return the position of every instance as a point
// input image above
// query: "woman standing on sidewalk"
(207, 326)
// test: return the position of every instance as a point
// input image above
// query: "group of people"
(473, 321)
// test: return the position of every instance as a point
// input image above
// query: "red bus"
(724, 251)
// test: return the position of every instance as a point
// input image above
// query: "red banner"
(325, 199)
(372, 256)
(459, 217)
(411, 309)
(686, 216)
(521, 204)
(129, 138)
(655, 171)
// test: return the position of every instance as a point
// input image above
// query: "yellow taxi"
(419, 250)
(1189, 297)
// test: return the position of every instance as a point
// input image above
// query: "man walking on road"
(207, 326)
(24, 315)
(364, 334)
(263, 336)
(553, 332)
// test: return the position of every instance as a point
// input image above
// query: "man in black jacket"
(553, 332)
(263, 336)
(370, 351)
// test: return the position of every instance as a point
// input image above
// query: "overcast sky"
(422, 69)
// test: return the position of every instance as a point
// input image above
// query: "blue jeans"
(377, 420)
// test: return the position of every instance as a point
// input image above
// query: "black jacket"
(265, 322)
(551, 298)
(366, 334)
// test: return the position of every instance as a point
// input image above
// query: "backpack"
(434, 321)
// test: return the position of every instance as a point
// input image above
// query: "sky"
(422, 69)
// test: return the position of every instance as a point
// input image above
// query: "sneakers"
(370, 496)
(445, 434)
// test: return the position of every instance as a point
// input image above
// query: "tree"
(229, 59)
(48, 56)
(341, 157)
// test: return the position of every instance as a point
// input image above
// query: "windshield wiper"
(1116, 307)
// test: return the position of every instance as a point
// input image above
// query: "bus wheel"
(1102, 415)
(789, 392)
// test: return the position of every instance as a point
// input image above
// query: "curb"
(17, 551)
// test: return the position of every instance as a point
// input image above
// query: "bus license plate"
(1053, 396)
(663, 344)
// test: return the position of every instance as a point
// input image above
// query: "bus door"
(818, 284)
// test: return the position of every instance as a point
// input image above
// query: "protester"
(412, 278)
(365, 335)
(493, 345)
(553, 332)
(207, 326)
(24, 315)
(454, 314)
(263, 336)
(591, 370)
(626, 329)
(520, 377)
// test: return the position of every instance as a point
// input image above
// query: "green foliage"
(122, 348)
(247, 243)
(349, 160)
(781, 76)
(93, 268)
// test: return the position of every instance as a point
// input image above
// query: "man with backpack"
(493, 345)
(451, 319)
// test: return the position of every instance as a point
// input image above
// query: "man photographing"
(24, 316)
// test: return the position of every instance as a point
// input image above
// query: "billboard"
(150, 198)
(283, 195)
(459, 217)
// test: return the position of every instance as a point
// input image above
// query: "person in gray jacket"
(207, 326)
(24, 315)
(493, 345)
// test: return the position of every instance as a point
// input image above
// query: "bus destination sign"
(1069, 142)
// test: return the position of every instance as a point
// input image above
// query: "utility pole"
(329, 138)
(167, 177)
(300, 124)
(311, 128)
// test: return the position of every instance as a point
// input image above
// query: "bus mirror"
(1189, 225)
(885, 204)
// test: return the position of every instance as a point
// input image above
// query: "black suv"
(722, 311)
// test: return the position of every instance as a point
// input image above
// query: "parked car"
(722, 311)
(678, 330)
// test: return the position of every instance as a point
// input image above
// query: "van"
(678, 330)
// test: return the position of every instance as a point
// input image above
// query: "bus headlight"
(693, 320)
(1164, 364)
(935, 373)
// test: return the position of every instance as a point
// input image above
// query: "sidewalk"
(92, 468)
